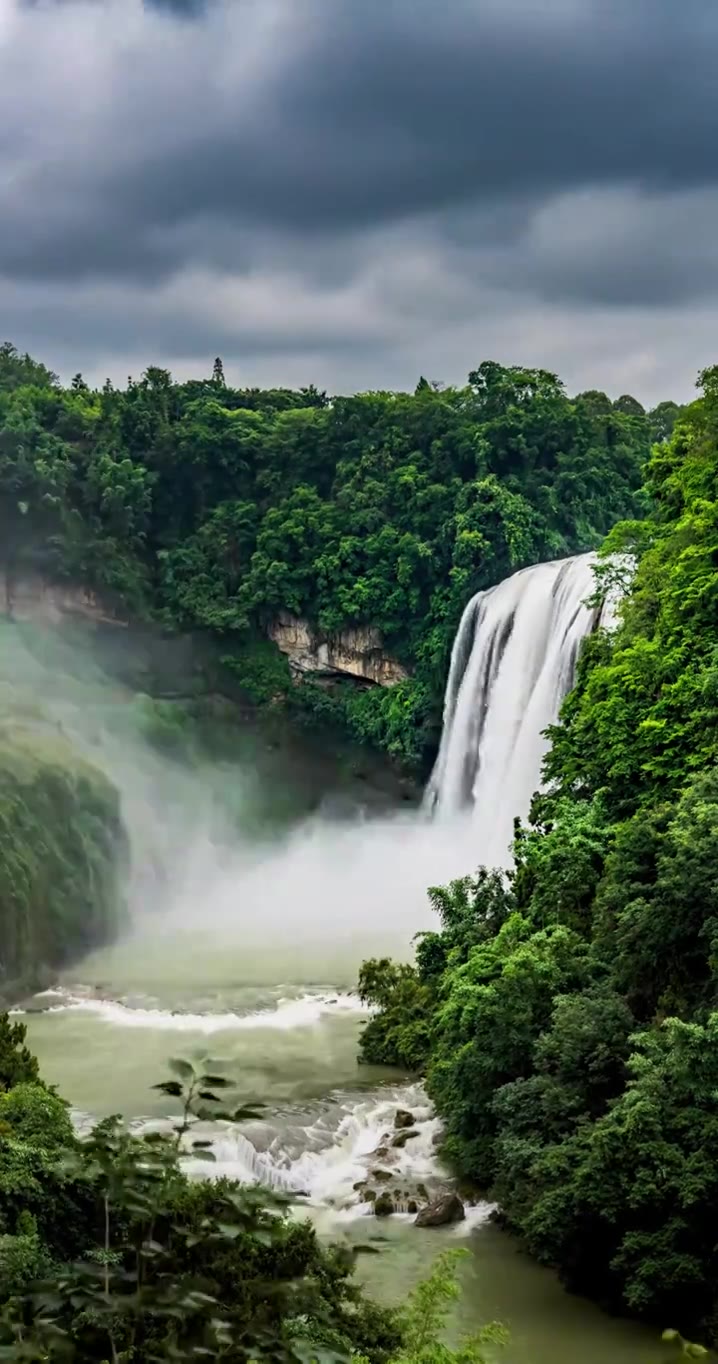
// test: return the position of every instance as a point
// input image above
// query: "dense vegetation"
(109, 1252)
(211, 509)
(62, 853)
(566, 1015)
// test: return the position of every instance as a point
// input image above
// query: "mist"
(206, 875)
(224, 883)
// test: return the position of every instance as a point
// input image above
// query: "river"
(294, 1049)
(256, 964)
(265, 867)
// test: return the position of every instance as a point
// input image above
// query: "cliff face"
(354, 653)
(33, 598)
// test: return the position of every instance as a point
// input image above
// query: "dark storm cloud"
(366, 113)
(370, 165)
(189, 8)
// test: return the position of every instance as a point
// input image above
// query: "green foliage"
(17, 1063)
(35, 1114)
(61, 852)
(155, 1266)
(20, 371)
(424, 1320)
(399, 1034)
(212, 509)
(568, 1015)
(260, 670)
(644, 715)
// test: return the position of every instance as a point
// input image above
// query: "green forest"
(209, 509)
(566, 1015)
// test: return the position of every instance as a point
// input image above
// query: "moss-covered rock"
(62, 851)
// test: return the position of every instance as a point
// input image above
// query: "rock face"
(33, 598)
(448, 1208)
(352, 653)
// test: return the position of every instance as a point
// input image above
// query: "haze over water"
(247, 942)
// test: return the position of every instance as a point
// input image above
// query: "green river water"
(229, 967)
(266, 865)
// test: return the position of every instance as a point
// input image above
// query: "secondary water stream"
(249, 945)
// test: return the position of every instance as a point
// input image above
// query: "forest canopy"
(210, 508)
(566, 1014)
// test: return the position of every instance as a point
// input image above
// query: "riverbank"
(294, 1045)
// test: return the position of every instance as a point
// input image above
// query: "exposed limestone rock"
(32, 598)
(403, 1118)
(448, 1208)
(356, 652)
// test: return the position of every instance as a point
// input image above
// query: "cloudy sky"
(355, 192)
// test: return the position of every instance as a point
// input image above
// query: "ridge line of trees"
(208, 508)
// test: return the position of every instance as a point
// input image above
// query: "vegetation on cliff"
(566, 1015)
(61, 852)
(212, 508)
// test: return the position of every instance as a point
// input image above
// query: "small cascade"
(236, 1158)
(512, 663)
(331, 1158)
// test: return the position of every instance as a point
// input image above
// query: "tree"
(629, 405)
(564, 1015)
(19, 371)
(17, 1063)
(152, 1265)
(662, 420)
(378, 509)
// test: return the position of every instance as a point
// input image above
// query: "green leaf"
(171, 1087)
(184, 1069)
(248, 1112)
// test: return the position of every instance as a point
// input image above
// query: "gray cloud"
(288, 179)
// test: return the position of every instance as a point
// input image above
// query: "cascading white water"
(512, 664)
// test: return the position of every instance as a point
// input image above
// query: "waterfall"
(512, 664)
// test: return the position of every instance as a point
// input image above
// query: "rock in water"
(383, 1206)
(448, 1208)
(403, 1118)
(402, 1138)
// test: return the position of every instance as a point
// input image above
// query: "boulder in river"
(381, 1176)
(448, 1208)
(402, 1138)
(402, 1118)
(383, 1206)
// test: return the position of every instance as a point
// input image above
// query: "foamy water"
(288, 1014)
(324, 1162)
